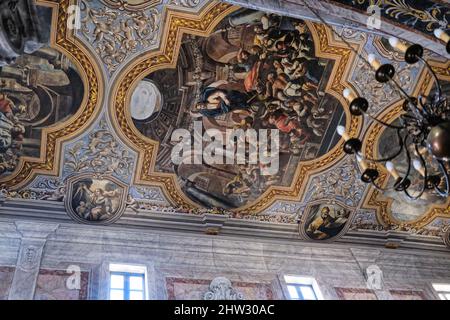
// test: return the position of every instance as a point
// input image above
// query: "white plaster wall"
(201, 256)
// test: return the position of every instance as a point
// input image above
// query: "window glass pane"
(441, 287)
(117, 281)
(293, 292)
(116, 295)
(136, 283)
(308, 293)
(136, 295)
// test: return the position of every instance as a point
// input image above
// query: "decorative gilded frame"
(124, 5)
(177, 24)
(64, 41)
(306, 214)
(72, 180)
(374, 198)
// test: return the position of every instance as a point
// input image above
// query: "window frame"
(128, 271)
(441, 294)
(297, 281)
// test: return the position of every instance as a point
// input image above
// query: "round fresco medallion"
(258, 80)
(325, 220)
(146, 101)
(95, 199)
(402, 208)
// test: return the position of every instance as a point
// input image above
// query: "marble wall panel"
(408, 295)
(195, 289)
(355, 294)
(52, 285)
(6, 277)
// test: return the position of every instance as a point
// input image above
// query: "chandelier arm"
(415, 197)
(405, 182)
(384, 123)
(403, 142)
(407, 116)
(411, 122)
(426, 108)
(400, 142)
(411, 196)
(417, 111)
(402, 91)
(436, 79)
(408, 157)
(380, 188)
(444, 193)
(425, 178)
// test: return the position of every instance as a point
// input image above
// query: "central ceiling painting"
(254, 71)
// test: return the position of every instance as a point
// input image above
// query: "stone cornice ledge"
(47, 216)
(35, 230)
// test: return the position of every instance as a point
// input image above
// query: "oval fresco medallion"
(402, 208)
(325, 220)
(95, 199)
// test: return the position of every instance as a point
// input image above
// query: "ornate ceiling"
(87, 121)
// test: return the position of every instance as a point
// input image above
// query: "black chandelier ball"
(359, 106)
(413, 53)
(439, 141)
(385, 73)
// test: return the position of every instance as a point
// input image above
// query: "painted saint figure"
(94, 205)
(328, 223)
(214, 102)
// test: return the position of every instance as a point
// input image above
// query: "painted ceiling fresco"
(269, 85)
(89, 119)
(40, 90)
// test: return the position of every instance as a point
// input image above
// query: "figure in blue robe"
(231, 100)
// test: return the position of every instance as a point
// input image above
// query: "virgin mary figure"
(215, 101)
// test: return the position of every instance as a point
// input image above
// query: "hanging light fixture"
(423, 131)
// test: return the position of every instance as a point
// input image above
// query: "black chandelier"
(423, 130)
